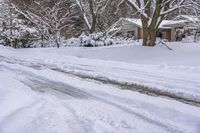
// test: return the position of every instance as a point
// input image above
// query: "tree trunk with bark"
(94, 18)
(152, 37)
(57, 37)
(150, 27)
(145, 36)
(93, 25)
(149, 37)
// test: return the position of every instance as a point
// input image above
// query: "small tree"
(7, 17)
(50, 18)
(13, 29)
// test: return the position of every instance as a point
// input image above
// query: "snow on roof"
(188, 18)
(139, 23)
(134, 20)
(182, 20)
(174, 23)
(165, 24)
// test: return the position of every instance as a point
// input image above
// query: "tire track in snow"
(123, 85)
(37, 82)
(71, 91)
(133, 87)
(48, 85)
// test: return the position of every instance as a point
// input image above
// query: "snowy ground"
(36, 99)
(173, 72)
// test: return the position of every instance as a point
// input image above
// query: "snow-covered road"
(35, 99)
(170, 73)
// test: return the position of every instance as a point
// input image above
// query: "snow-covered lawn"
(175, 72)
(36, 99)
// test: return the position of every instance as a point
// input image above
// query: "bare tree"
(50, 18)
(152, 13)
(91, 12)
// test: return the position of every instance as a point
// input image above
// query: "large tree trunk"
(149, 33)
(145, 30)
(149, 37)
(145, 36)
(150, 26)
(152, 38)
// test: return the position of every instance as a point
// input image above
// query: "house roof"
(176, 23)
(117, 26)
(183, 20)
(132, 20)
(165, 24)
(138, 22)
(188, 18)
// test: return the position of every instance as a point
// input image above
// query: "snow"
(37, 99)
(97, 108)
(176, 23)
(189, 18)
(164, 23)
(174, 71)
(96, 40)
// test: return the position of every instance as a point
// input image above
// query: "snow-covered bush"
(71, 42)
(91, 40)
(188, 39)
(122, 40)
(42, 43)
(95, 40)
(20, 35)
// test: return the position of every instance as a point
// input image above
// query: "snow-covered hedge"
(95, 40)
(92, 40)
(190, 39)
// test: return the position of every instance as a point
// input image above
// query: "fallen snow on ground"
(45, 101)
(38, 100)
(176, 71)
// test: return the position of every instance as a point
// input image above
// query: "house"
(187, 25)
(130, 27)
